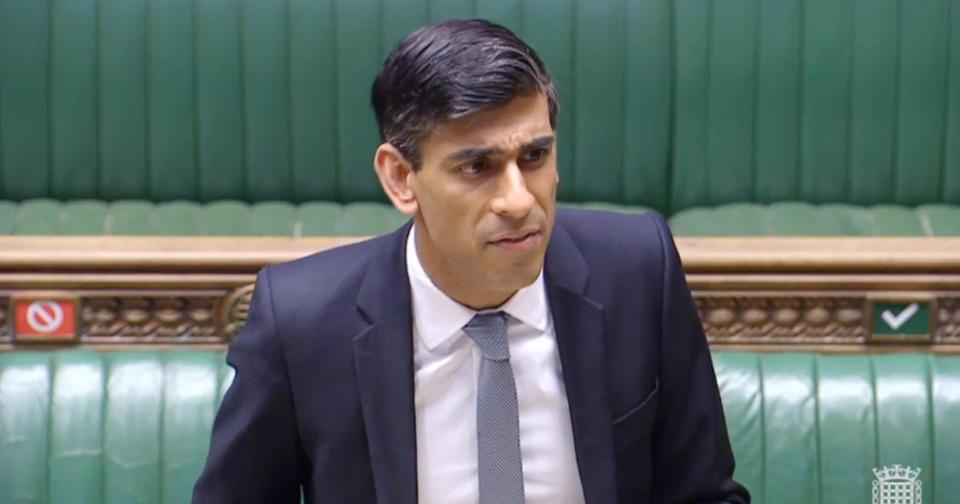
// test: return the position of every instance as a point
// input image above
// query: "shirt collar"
(437, 317)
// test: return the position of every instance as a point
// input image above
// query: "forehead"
(506, 127)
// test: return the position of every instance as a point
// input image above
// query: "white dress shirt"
(446, 366)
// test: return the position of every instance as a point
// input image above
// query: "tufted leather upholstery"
(101, 428)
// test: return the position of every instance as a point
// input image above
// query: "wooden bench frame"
(811, 294)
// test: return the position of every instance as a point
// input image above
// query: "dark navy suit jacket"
(323, 392)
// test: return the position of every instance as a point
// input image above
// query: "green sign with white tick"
(903, 321)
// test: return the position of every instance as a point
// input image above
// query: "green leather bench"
(278, 218)
(109, 428)
(680, 106)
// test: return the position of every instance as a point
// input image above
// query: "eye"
(475, 167)
(533, 155)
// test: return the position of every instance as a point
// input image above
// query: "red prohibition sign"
(43, 319)
(45, 316)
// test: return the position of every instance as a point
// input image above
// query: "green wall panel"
(951, 162)
(73, 99)
(171, 127)
(266, 108)
(731, 91)
(598, 89)
(358, 59)
(123, 99)
(922, 101)
(691, 52)
(666, 104)
(220, 100)
(873, 100)
(24, 81)
(825, 100)
(777, 124)
(451, 9)
(646, 129)
(313, 108)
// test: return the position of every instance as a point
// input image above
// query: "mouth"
(518, 242)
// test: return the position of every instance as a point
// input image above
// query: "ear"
(393, 170)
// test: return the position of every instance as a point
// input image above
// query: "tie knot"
(489, 332)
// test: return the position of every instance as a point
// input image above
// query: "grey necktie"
(498, 432)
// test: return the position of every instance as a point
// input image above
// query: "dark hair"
(451, 69)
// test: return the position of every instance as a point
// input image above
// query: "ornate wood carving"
(149, 319)
(949, 319)
(234, 310)
(781, 319)
(4, 320)
(752, 293)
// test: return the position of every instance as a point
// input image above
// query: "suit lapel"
(578, 322)
(383, 354)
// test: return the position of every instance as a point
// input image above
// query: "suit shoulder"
(605, 234)
(324, 281)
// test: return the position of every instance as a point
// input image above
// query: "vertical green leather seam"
(242, 50)
(876, 427)
(756, 95)
(933, 428)
(522, 16)
(707, 130)
(198, 167)
(945, 141)
(851, 45)
(335, 109)
(2, 165)
(98, 94)
(147, 108)
(816, 426)
(801, 58)
(763, 432)
(895, 145)
(572, 141)
(624, 118)
(50, 139)
(671, 120)
(288, 99)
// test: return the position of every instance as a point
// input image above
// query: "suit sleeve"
(693, 461)
(255, 454)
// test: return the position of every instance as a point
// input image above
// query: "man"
(493, 350)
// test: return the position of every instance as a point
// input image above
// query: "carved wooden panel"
(745, 319)
(5, 332)
(149, 319)
(949, 319)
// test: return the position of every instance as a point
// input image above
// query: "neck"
(459, 289)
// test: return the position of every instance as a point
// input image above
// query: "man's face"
(486, 200)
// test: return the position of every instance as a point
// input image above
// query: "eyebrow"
(480, 152)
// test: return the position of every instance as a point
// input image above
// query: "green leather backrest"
(853, 101)
(809, 428)
(268, 99)
(104, 428)
(666, 104)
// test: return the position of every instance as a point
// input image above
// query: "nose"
(512, 199)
